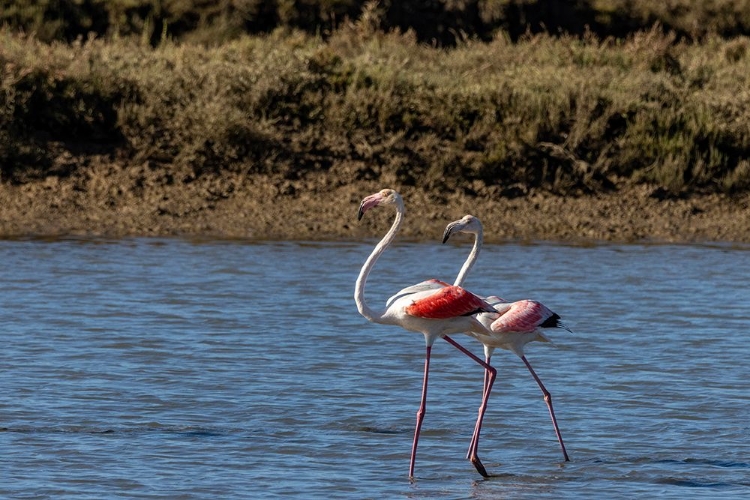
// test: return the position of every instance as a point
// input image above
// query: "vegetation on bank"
(440, 22)
(564, 113)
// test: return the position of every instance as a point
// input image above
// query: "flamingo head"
(466, 224)
(382, 197)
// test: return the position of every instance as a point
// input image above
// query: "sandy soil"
(113, 201)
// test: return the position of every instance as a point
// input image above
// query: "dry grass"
(567, 114)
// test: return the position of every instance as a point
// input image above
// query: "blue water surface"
(169, 368)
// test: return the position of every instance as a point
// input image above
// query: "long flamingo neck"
(471, 259)
(359, 290)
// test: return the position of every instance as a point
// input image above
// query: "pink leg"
(421, 412)
(489, 378)
(548, 400)
(487, 375)
(472, 446)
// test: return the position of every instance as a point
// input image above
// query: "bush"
(566, 114)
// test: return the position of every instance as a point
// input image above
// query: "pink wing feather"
(522, 316)
(448, 302)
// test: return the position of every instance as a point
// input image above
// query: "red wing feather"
(448, 302)
(522, 316)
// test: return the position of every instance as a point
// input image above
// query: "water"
(179, 369)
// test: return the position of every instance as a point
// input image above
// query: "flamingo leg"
(489, 380)
(484, 392)
(548, 400)
(490, 373)
(420, 412)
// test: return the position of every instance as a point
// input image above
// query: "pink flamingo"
(511, 327)
(433, 308)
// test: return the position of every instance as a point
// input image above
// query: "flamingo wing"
(447, 302)
(433, 284)
(494, 300)
(524, 316)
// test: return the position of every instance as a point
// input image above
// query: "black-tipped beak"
(447, 233)
(368, 203)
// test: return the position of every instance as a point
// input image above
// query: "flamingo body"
(447, 302)
(515, 324)
(523, 316)
(432, 284)
(436, 312)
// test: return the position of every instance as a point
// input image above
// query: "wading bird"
(511, 326)
(433, 308)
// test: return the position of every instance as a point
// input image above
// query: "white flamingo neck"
(471, 259)
(359, 290)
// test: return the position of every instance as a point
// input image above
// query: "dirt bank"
(113, 201)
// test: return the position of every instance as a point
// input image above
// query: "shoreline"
(112, 202)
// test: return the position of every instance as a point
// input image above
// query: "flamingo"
(433, 308)
(511, 326)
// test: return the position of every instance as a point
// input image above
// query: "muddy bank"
(114, 201)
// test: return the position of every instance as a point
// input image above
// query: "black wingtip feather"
(552, 322)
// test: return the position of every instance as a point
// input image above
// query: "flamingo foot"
(478, 466)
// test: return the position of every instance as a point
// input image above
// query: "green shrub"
(567, 114)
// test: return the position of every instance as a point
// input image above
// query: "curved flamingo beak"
(466, 224)
(369, 202)
(449, 230)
